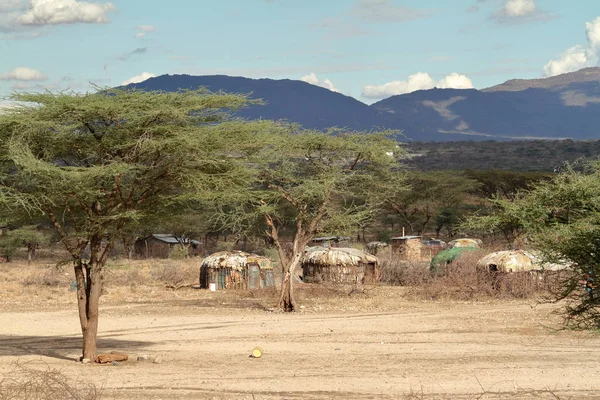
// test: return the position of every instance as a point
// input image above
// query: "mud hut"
(340, 265)
(407, 247)
(236, 270)
(465, 242)
(160, 245)
(374, 247)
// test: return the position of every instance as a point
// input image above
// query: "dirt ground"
(380, 345)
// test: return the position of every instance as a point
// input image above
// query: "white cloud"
(418, 81)
(313, 80)
(578, 56)
(143, 30)
(139, 78)
(520, 11)
(53, 12)
(455, 81)
(23, 74)
(519, 8)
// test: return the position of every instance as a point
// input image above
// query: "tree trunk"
(89, 288)
(30, 252)
(287, 302)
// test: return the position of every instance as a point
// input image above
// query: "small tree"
(96, 164)
(560, 217)
(428, 197)
(29, 237)
(311, 182)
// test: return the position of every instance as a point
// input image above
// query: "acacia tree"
(428, 196)
(96, 164)
(561, 218)
(310, 182)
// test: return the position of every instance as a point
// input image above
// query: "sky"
(367, 49)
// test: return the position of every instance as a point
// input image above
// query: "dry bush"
(26, 383)
(463, 280)
(51, 277)
(132, 277)
(403, 273)
(175, 275)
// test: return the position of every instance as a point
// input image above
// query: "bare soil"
(377, 345)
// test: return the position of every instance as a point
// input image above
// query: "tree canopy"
(97, 164)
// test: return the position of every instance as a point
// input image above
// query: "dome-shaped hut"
(236, 270)
(509, 261)
(518, 261)
(465, 242)
(340, 265)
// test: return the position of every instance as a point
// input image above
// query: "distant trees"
(434, 198)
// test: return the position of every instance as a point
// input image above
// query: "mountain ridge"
(564, 106)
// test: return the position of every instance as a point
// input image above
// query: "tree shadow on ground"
(62, 347)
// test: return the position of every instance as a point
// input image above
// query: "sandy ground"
(376, 346)
(420, 350)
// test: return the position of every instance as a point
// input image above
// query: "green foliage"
(514, 155)
(179, 252)
(561, 217)
(437, 197)
(14, 239)
(98, 164)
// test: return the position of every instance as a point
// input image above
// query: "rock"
(143, 358)
(158, 359)
(109, 358)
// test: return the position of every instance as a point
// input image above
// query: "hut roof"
(337, 256)
(171, 239)
(331, 238)
(465, 242)
(236, 260)
(517, 261)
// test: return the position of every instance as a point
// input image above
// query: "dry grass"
(51, 276)
(28, 383)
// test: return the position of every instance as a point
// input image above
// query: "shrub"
(50, 277)
(175, 276)
(26, 383)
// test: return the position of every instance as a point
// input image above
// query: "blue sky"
(368, 49)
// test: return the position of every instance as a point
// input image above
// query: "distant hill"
(516, 85)
(295, 101)
(564, 106)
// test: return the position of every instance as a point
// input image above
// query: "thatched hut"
(517, 261)
(236, 270)
(340, 265)
(465, 242)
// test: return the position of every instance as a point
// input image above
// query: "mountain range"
(563, 106)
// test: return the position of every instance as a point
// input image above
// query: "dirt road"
(417, 350)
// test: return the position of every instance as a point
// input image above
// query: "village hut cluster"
(330, 262)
